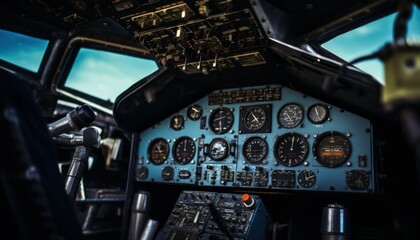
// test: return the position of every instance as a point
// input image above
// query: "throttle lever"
(76, 119)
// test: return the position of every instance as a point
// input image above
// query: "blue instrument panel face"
(260, 137)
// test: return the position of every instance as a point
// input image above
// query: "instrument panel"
(268, 137)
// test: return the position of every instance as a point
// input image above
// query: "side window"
(369, 38)
(22, 50)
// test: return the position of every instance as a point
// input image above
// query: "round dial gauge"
(318, 113)
(254, 118)
(184, 150)
(221, 120)
(218, 149)
(194, 112)
(332, 149)
(158, 151)
(290, 115)
(307, 178)
(357, 180)
(142, 173)
(167, 173)
(255, 149)
(177, 122)
(291, 149)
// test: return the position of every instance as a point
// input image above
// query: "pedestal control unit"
(210, 215)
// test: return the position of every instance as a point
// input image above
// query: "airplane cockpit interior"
(210, 119)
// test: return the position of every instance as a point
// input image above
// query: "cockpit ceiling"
(196, 36)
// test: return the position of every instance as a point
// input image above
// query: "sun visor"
(153, 99)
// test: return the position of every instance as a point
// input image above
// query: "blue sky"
(106, 74)
(22, 50)
(369, 38)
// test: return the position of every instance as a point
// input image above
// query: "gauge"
(218, 149)
(167, 173)
(307, 178)
(255, 149)
(357, 180)
(184, 150)
(177, 122)
(158, 151)
(318, 113)
(291, 149)
(290, 115)
(254, 118)
(194, 112)
(332, 149)
(221, 120)
(142, 173)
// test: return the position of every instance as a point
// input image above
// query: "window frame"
(75, 44)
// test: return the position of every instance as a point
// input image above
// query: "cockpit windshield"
(104, 74)
(369, 38)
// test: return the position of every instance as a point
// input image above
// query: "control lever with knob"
(89, 137)
(76, 119)
(79, 162)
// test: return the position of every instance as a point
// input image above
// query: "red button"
(247, 199)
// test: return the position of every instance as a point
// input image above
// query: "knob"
(247, 200)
